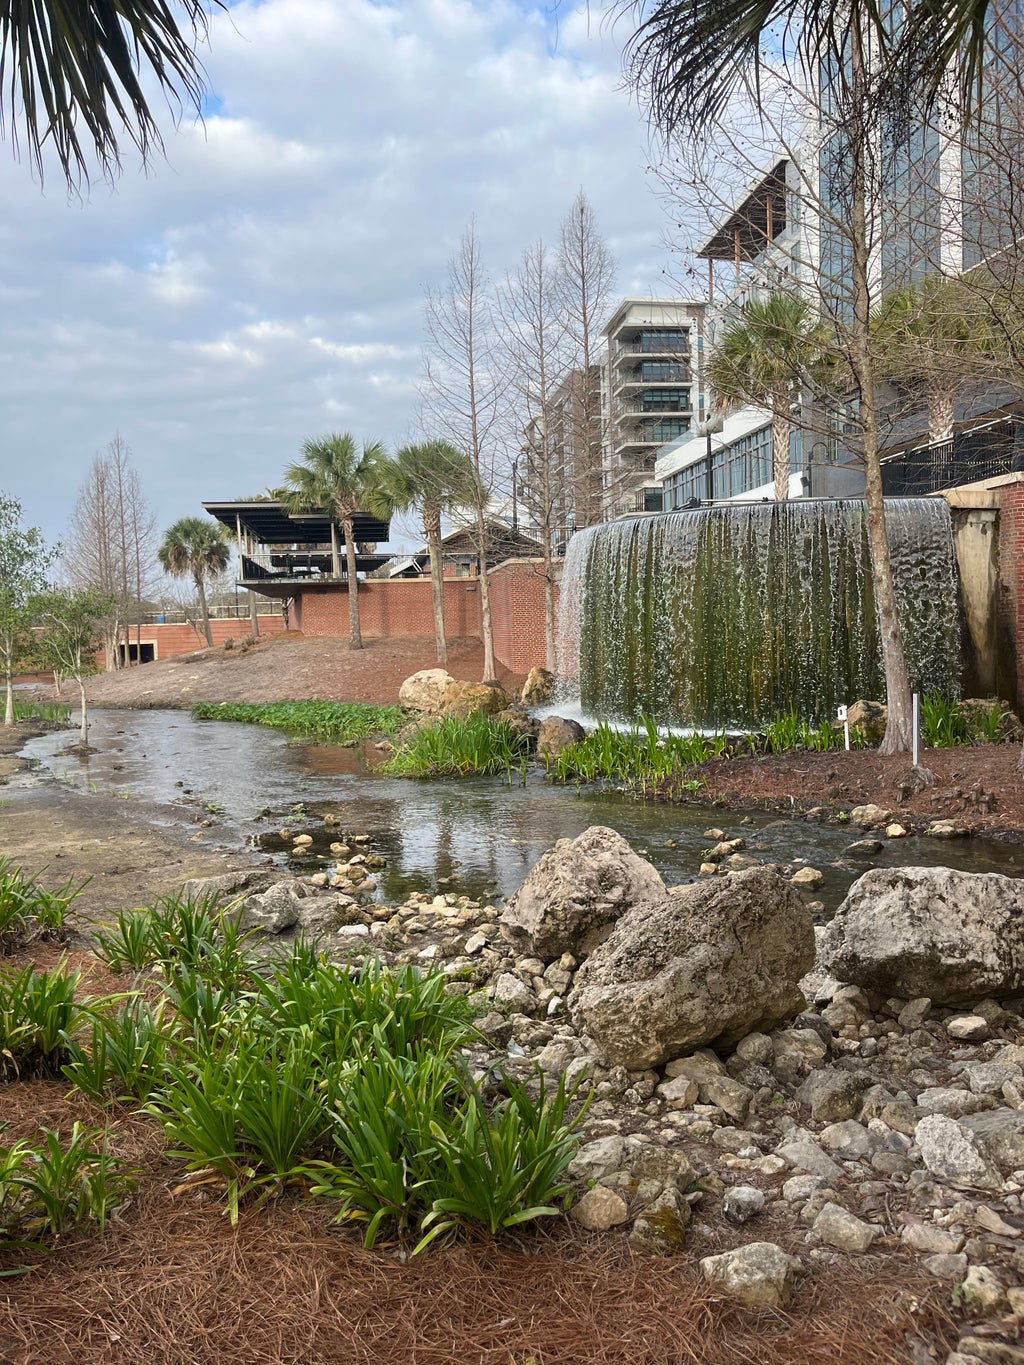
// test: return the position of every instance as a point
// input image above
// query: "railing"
(277, 564)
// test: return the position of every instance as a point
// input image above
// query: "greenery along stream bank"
(638, 758)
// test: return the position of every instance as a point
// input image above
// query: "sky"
(263, 283)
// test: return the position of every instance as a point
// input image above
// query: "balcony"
(679, 408)
(663, 374)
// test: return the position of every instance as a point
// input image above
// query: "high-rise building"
(652, 393)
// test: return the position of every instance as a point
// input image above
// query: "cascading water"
(728, 615)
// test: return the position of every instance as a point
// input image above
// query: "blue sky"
(265, 282)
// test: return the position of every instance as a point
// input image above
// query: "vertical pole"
(710, 477)
(916, 701)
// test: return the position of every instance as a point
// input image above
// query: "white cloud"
(266, 282)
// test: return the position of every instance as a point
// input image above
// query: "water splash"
(725, 616)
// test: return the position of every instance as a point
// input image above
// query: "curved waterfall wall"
(727, 615)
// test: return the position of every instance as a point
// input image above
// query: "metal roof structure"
(757, 219)
(270, 523)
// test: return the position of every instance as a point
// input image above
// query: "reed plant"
(50, 713)
(459, 747)
(943, 724)
(328, 721)
(640, 758)
(119, 1054)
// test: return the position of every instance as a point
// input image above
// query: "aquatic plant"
(52, 713)
(638, 758)
(459, 747)
(328, 721)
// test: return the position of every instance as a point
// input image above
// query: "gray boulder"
(558, 733)
(231, 886)
(929, 931)
(710, 963)
(759, 1274)
(276, 909)
(539, 687)
(575, 892)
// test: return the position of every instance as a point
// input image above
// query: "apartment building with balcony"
(652, 393)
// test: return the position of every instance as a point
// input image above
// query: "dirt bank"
(286, 668)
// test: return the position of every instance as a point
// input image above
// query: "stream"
(475, 836)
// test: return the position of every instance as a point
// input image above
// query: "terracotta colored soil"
(287, 668)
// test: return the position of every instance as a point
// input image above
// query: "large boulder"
(929, 931)
(464, 699)
(425, 690)
(870, 718)
(556, 734)
(709, 963)
(575, 892)
(539, 687)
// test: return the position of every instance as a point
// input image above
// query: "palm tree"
(198, 548)
(688, 58)
(74, 73)
(936, 338)
(437, 478)
(761, 358)
(336, 475)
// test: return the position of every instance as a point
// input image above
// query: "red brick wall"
(1011, 579)
(172, 639)
(398, 608)
(401, 609)
(517, 613)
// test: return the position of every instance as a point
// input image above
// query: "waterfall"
(727, 615)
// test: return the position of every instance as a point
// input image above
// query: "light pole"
(712, 427)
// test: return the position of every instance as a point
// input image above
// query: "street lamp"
(714, 425)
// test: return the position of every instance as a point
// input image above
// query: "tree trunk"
(941, 407)
(203, 609)
(355, 638)
(780, 443)
(9, 701)
(898, 731)
(254, 619)
(486, 629)
(83, 733)
(433, 530)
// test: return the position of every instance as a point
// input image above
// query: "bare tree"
(465, 393)
(586, 277)
(111, 546)
(535, 333)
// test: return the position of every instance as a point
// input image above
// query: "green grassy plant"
(123, 1055)
(129, 944)
(52, 713)
(639, 758)
(28, 910)
(64, 1186)
(943, 724)
(456, 747)
(986, 727)
(331, 722)
(38, 1014)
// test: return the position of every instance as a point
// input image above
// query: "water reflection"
(480, 836)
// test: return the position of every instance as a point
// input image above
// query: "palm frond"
(71, 75)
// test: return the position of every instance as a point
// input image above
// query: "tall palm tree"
(337, 475)
(437, 479)
(761, 358)
(198, 548)
(73, 72)
(936, 339)
(689, 57)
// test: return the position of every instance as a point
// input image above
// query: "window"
(668, 429)
(665, 400)
(662, 372)
(664, 339)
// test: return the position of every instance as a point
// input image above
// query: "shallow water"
(483, 834)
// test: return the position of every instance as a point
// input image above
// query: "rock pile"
(885, 1119)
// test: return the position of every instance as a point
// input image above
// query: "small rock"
(600, 1209)
(914, 1013)
(799, 1188)
(732, 1096)
(742, 1202)
(869, 816)
(758, 1274)
(662, 1225)
(832, 1095)
(679, 1093)
(843, 1230)
(864, 846)
(968, 1028)
(895, 831)
(806, 1156)
(927, 1238)
(954, 1154)
(849, 1140)
(982, 1288)
(808, 878)
(945, 1266)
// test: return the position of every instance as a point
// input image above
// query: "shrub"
(123, 1056)
(64, 1187)
(943, 724)
(129, 943)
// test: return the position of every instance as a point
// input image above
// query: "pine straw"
(173, 1283)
